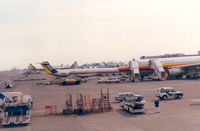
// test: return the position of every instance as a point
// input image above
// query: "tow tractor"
(70, 81)
(133, 106)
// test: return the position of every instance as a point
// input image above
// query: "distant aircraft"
(33, 69)
(61, 67)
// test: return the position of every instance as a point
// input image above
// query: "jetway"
(159, 72)
(134, 68)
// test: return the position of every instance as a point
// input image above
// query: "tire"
(139, 99)
(124, 99)
(164, 97)
(180, 96)
(161, 98)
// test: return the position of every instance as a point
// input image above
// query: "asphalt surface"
(179, 115)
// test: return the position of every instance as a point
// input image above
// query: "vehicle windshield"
(172, 90)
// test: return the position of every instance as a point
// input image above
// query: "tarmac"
(178, 114)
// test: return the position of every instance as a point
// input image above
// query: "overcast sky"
(64, 31)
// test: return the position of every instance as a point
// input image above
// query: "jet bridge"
(134, 68)
(159, 72)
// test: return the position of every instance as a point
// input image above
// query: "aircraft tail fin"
(31, 67)
(74, 65)
(48, 68)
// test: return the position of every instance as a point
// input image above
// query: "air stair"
(134, 68)
(68, 105)
(105, 101)
(87, 103)
(80, 105)
(159, 72)
(96, 106)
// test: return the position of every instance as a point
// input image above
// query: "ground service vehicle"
(168, 93)
(133, 106)
(64, 82)
(8, 97)
(124, 96)
(109, 80)
(8, 84)
(15, 114)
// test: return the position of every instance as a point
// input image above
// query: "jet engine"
(174, 72)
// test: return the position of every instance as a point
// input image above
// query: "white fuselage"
(173, 64)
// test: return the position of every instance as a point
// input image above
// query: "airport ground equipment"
(15, 114)
(80, 105)
(84, 105)
(64, 82)
(96, 105)
(21, 80)
(105, 101)
(87, 103)
(134, 71)
(17, 97)
(159, 72)
(168, 93)
(109, 80)
(124, 96)
(68, 109)
(133, 106)
(8, 84)
(50, 110)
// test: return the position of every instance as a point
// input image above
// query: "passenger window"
(127, 95)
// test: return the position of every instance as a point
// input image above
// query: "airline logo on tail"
(74, 66)
(48, 68)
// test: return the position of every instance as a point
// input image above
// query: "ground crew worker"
(157, 106)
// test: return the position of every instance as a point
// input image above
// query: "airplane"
(164, 68)
(156, 68)
(34, 69)
(79, 72)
